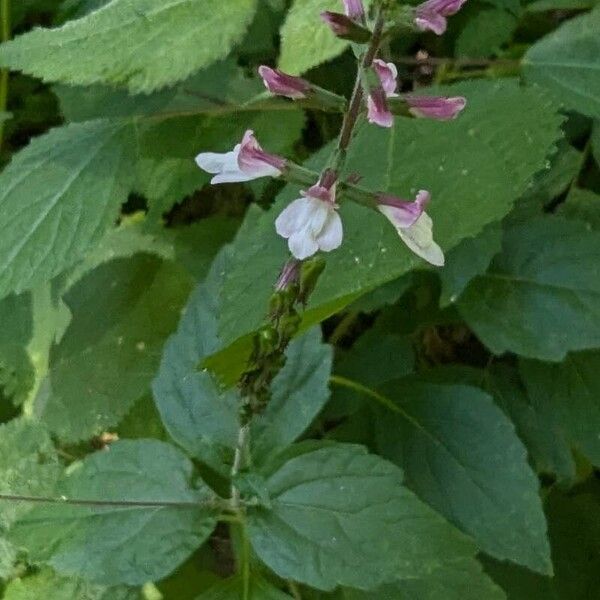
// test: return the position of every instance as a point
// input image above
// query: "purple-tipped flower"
(378, 110)
(431, 15)
(441, 108)
(388, 75)
(311, 223)
(345, 28)
(413, 224)
(355, 10)
(245, 162)
(290, 275)
(282, 84)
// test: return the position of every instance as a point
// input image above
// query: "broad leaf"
(143, 44)
(129, 544)
(461, 455)
(339, 516)
(123, 312)
(571, 390)
(50, 586)
(485, 33)
(544, 270)
(472, 186)
(567, 62)
(57, 198)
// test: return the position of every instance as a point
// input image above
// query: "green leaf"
(306, 41)
(48, 220)
(233, 589)
(472, 186)
(573, 519)
(470, 258)
(123, 312)
(28, 465)
(461, 581)
(461, 455)
(8, 556)
(547, 5)
(547, 268)
(122, 544)
(485, 33)
(340, 516)
(567, 62)
(582, 205)
(195, 411)
(535, 422)
(141, 44)
(299, 392)
(571, 390)
(50, 586)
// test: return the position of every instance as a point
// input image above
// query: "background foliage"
(433, 434)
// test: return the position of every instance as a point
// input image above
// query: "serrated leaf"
(548, 267)
(117, 544)
(462, 456)
(472, 186)
(122, 314)
(8, 556)
(198, 415)
(306, 41)
(340, 516)
(567, 62)
(570, 390)
(58, 197)
(141, 44)
(50, 586)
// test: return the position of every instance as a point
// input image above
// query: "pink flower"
(414, 225)
(441, 108)
(378, 112)
(388, 75)
(431, 15)
(355, 10)
(281, 84)
(245, 162)
(311, 223)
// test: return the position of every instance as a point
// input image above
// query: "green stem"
(5, 31)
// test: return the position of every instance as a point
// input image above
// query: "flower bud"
(345, 28)
(440, 108)
(355, 10)
(282, 84)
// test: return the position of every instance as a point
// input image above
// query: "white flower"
(311, 223)
(245, 162)
(414, 225)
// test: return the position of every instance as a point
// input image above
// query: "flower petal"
(332, 234)
(211, 162)
(419, 238)
(302, 244)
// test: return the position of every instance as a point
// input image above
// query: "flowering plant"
(298, 300)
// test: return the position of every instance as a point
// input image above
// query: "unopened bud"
(345, 28)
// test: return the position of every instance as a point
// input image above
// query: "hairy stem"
(4, 37)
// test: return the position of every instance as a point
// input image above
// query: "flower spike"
(414, 225)
(247, 161)
(311, 223)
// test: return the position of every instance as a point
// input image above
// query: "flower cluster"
(312, 223)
